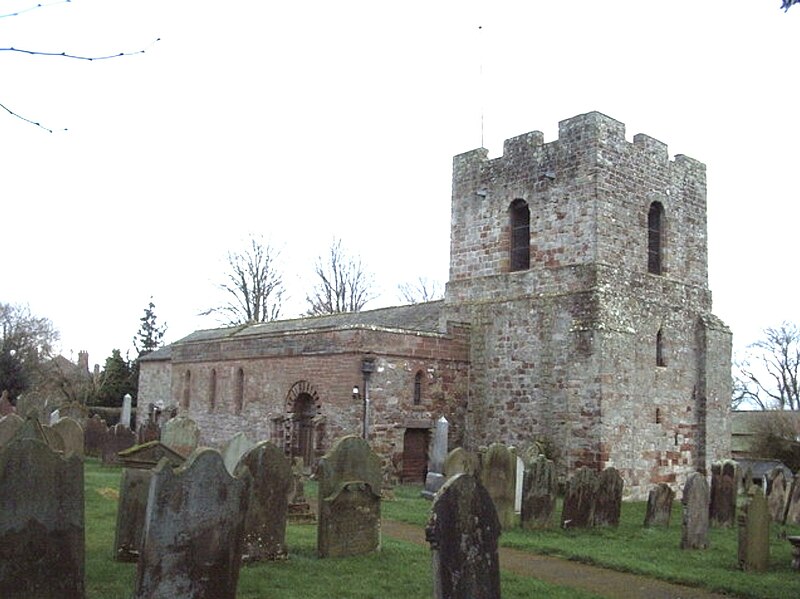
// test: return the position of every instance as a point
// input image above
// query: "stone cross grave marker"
(777, 495)
(434, 479)
(270, 484)
(659, 505)
(539, 492)
(349, 489)
(71, 432)
(193, 530)
(579, 497)
(608, 498)
(498, 475)
(41, 522)
(754, 534)
(234, 449)
(181, 434)
(694, 531)
(463, 531)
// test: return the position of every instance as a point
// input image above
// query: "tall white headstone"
(125, 418)
(435, 477)
(518, 493)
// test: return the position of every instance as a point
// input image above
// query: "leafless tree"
(253, 285)
(26, 343)
(767, 375)
(422, 290)
(342, 283)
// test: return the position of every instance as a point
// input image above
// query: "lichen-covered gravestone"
(463, 531)
(608, 499)
(71, 433)
(723, 493)
(193, 531)
(694, 532)
(499, 476)
(234, 449)
(777, 495)
(138, 463)
(270, 484)
(181, 434)
(659, 505)
(41, 522)
(579, 496)
(539, 491)
(349, 499)
(460, 461)
(754, 534)
(9, 425)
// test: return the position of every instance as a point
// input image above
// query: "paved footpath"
(608, 583)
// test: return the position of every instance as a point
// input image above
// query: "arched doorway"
(303, 412)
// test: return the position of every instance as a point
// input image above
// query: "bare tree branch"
(422, 290)
(767, 376)
(343, 285)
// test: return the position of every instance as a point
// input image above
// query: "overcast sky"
(304, 120)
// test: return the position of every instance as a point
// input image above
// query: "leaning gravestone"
(608, 500)
(460, 461)
(579, 498)
(539, 491)
(463, 531)
(722, 510)
(118, 438)
(498, 475)
(94, 436)
(659, 505)
(237, 446)
(777, 495)
(694, 532)
(193, 531)
(138, 463)
(9, 425)
(71, 432)
(754, 534)
(793, 507)
(435, 478)
(181, 434)
(349, 489)
(41, 522)
(265, 523)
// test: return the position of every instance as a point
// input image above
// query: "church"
(577, 315)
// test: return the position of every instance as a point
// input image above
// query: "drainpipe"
(367, 368)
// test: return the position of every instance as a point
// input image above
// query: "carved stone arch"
(302, 422)
(302, 388)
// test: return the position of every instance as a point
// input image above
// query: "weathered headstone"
(463, 531)
(498, 475)
(237, 446)
(608, 499)
(41, 522)
(193, 531)
(6, 407)
(138, 463)
(694, 531)
(71, 432)
(9, 425)
(265, 523)
(539, 491)
(754, 534)
(147, 431)
(659, 505)
(777, 495)
(94, 436)
(435, 478)
(125, 417)
(579, 497)
(722, 509)
(118, 438)
(349, 489)
(460, 461)
(793, 506)
(181, 434)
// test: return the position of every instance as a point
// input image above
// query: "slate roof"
(414, 318)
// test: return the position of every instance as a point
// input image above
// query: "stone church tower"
(582, 268)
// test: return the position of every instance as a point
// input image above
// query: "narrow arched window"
(212, 391)
(520, 235)
(187, 385)
(660, 348)
(418, 389)
(655, 238)
(239, 391)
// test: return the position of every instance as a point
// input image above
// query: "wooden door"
(415, 455)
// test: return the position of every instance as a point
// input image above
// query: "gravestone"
(237, 446)
(722, 509)
(754, 534)
(147, 431)
(776, 500)
(138, 462)
(191, 547)
(41, 522)
(181, 434)
(349, 510)
(299, 510)
(460, 461)
(498, 476)
(463, 531)
(694, 530)
(71, 432)
(5, 405)
(270, 484)
(608, 498)
(659, 505)
(125, 417)
(539, 492)
(519, 479)
(434, 479)
(793, 506)
(579, 497)
(118, 438)
(9, 425)
(94, 436)
(54, 416)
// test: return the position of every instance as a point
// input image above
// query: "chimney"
(83, 361)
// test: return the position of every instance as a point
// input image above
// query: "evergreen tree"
(115, 381)
(150, 335)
